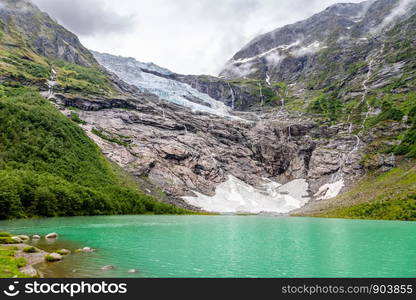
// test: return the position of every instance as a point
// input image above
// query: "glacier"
(151, 78)
(236, 196)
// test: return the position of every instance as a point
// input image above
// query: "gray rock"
(132, 271)
(64, 251)
(52, 235)
(23, 237)
(86, 250)
(53, 257)
(29, 270)
(17, 239)
(281, 146)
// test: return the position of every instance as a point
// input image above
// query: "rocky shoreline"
(33, 259)
(24, 248)
(33, 255)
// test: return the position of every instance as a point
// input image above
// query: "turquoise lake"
(226, 246)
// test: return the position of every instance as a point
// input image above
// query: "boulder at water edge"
(51, 235)
(53, 257)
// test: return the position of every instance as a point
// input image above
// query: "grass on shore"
(9, 264)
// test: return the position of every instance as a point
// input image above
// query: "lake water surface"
(227, 246)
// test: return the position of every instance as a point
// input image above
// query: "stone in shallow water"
(53, 257)
(52, 235)
(17, 239)
(23, 237)
(64, 251)
(86, 250)
(106, 268)
(132, 271)
(29, 270)
(36, 237)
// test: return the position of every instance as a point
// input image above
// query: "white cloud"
(274, 58)
(310, 49)
(240, 70)
(88, 17)
(186, 36)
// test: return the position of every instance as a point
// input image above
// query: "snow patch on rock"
(236, 196)
(330, 190)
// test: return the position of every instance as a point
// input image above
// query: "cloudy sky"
(186, 36)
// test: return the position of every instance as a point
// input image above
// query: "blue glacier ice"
(151, 78)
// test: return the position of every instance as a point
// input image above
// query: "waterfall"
(160, 108)
(268, 79)
(370, 71)
(232, 96)
(339, 175)
(337, 182)
(261, 94)
(51, 84)
(283, 91)
(364, 96)
(366, 89)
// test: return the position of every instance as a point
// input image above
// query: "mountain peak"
(264, 55)
(44, 35)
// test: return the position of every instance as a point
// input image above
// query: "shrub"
(30, 249)
(74, 117)
(326, 106)
(408, 144)
(110, 139)
(21, 262)
(7, 240)
(63, 252)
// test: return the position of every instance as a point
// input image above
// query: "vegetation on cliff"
(49, 167)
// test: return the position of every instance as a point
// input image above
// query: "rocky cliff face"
(183, 152)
